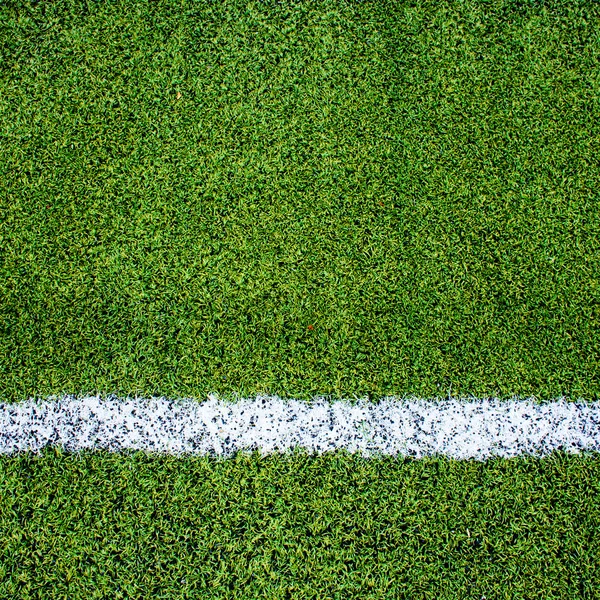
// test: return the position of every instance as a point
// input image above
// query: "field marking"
(461, 429)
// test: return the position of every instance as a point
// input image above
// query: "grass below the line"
(99, 525)
(308, 198)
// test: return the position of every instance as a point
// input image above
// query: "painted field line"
(461, 429)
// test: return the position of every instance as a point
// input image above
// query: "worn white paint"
(461, 429)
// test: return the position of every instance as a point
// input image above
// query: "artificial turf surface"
(341, 198)
(345, 198)
(102, 525)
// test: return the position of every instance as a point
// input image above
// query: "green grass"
(325, 197)
(335, 526)
(186, 187)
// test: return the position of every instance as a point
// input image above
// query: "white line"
(461, 429)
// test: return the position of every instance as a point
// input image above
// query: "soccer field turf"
(351, 199)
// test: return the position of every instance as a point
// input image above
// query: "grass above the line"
(100, 525)
(308, 198)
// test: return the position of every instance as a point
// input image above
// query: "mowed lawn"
(344, 198)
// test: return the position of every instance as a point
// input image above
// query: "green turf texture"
(335, 526)
(340, 198)
(345, 198)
